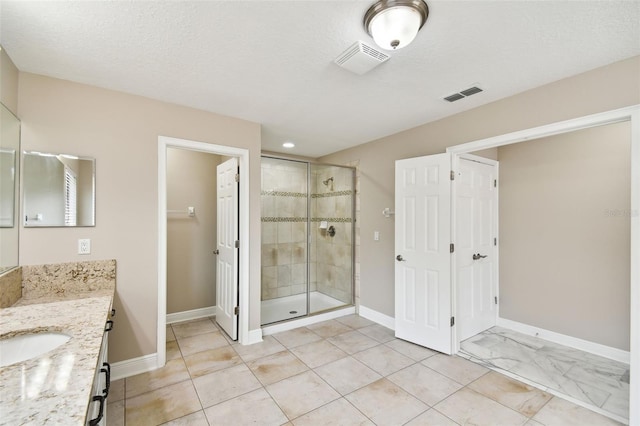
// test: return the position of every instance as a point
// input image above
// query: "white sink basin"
(30, 345)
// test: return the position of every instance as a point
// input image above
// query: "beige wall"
(9, 76)
(564, 233)
(606, 88)
(191, 264)
(121, 132)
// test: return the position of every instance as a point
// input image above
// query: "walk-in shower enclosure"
(308, 233)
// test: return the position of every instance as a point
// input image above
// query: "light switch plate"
(84, 246)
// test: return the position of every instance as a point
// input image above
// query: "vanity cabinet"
(97, 411)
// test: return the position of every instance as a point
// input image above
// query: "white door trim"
(165, 142)
(631, 114)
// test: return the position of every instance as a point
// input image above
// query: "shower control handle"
(399, 258)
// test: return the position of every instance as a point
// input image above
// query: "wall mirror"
(9, 150)
(59, 190)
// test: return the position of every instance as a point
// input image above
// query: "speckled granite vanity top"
(54, 388)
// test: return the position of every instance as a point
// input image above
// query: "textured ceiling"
(271, 62)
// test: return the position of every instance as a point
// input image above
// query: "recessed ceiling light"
(288, 144)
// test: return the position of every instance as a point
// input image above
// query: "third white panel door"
(476, 263)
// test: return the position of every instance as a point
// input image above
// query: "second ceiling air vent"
(361, 58)
(463, 94)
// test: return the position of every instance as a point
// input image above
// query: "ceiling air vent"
(462, 94)
(361, 58)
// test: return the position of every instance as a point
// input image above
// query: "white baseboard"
(375, 316)
(191, 315)
(303, 322)
(131, 367)
(562, 339)
(255, 336)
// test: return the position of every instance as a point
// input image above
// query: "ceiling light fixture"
(289, 145)
(393, 24)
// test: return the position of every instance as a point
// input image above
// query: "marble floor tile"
(562, 412)
(456, 368)
(432, 417)
(301, 394)
(347, 375)
(469, 407)
(201, 342)
(385, 403)
(618, 404)
(352, 342)
(296, 337)
(174, 371)
(207, 362)
(162, 405)
(225, 384)
(268, 346)
(276, 367)
(378, 333)
(115, 410)
(383, 359)
(318, 353)
(355, 321)
(338, 412)
(173, 350)
(329, 328)
(194, 419)
(518, 396)
(192, 328)
(413, 351)
(425, 384)
(256, 407)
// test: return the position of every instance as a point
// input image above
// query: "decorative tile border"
(304, 194)
(332, 194)
(304, 219)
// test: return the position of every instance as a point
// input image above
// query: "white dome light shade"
(394, 24)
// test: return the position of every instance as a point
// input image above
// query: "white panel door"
(476, 260)
(227, 252)
(423, 262)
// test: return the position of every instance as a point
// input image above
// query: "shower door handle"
(399, 258)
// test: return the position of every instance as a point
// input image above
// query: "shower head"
(326, 182)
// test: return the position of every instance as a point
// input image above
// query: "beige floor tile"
(413, 351)
(432, 418)
(174, 371)
(352, 342)
(355, 321)
(162, 405)
(172, 350)
(378, 333)
(347, 375)
(318, 353)
(254, 408)
(469, 407)
(532, 422)
(116, 391)
(192, 328)
(425, 384)
(296, 337)
(523, 398)
(385, 403)
(201, 342)
(268, 346)
(300, 394)
(194, 419)
(225, 384)
(276, 367)
(207, 362)
(383, 359)
(338, 412)
(115, 413)
(170, 336)
(329, 328)
(456, 368)
(561, 412)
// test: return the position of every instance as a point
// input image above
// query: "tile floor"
(589, 378)
(347, 371)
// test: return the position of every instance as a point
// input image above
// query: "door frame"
(242, 154)
(455, 161)
(631, 114)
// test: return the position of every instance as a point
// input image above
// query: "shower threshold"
(289, 307)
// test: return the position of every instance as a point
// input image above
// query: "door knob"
(479, 256)
(399, 258)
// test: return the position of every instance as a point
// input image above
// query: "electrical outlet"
(84, 246)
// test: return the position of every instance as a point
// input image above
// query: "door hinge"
(237, 177)
(495, 183)
(236, 310)
(452, 175)
(237, 244)
(453, 321)
(451, 248)
(495, 241)
(495, 300)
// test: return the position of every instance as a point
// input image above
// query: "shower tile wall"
(284, 228)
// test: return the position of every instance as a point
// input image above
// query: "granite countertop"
(54, 388)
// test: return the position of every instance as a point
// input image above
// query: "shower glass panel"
(307, 238)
